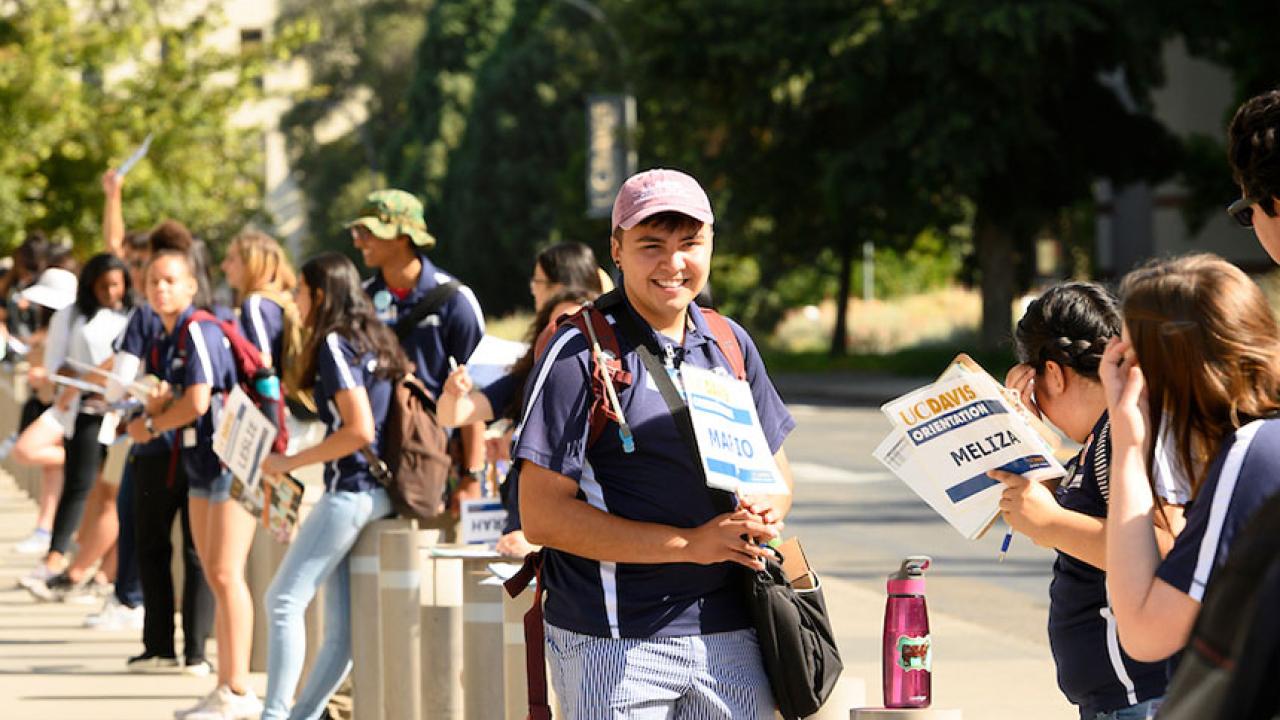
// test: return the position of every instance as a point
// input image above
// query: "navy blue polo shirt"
(262, 323)
(1094, 672)
(143, 329)
(453, 331)
(339, 367)
(657, 483)
(205, 359)
(1243, 476)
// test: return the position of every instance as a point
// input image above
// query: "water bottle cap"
(913, 567)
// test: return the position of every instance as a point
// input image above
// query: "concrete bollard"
(366, 621)
(515, 685)
(442, 646)
(399, 581)
(482, 635)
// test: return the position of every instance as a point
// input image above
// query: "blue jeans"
(1142, 711)
(319, 555)
(128, 583)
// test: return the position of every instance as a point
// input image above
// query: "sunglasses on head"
(1242, 211)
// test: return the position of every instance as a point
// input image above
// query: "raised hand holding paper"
(133, 159)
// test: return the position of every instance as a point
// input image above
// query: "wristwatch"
(479, 474)
(149, 425)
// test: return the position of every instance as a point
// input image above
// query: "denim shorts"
(215, 491)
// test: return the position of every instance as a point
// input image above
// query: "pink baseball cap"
(646, 194)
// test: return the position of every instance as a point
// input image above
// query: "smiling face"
(378, 253)
(663, 270)
(109, 289)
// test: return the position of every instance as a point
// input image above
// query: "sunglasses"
(1242, 211)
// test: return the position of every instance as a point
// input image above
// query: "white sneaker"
(90, 593)
(200, 668)
(37, 543)
(222, 704)
(115, 616)
(37, 579)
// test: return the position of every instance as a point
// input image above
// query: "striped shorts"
(697, 677)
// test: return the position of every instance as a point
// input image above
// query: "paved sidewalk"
(52, 668)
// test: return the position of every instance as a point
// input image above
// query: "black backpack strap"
(646, 346)
(435, 299)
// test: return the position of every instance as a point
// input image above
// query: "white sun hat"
(55, 289)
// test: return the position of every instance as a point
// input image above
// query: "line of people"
(124, 327)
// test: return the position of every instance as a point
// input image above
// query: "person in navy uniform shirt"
(391, 234)
(644, 608)
(1060, 340)
(257, 269)
(180, 407)
(1200, 349)
(349, 361)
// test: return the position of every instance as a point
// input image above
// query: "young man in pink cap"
(644, 610)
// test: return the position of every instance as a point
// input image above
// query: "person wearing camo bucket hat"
(436, 317)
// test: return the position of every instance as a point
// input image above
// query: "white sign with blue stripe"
(735, 454)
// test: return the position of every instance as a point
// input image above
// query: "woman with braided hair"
(1060, 342)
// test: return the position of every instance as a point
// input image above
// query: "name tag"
(731, 441)
(189, 437)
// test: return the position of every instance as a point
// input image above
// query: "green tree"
(80, 88)
(357, 53)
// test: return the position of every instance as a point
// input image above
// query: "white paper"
(133, 159)
(475, 552)
(948, 434)
(243, 437)
(492, 358)
(735, 453)
(482, 521)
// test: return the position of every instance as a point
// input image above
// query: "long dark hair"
(345, 309)
(522, 367)
(99, 265)
(1069, 324)
(571, 264)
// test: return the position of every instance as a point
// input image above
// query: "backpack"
(593, 325)
(1231, 662)
(414, 466)
(257, 380)
(415, 462)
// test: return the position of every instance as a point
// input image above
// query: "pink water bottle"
(908, 653)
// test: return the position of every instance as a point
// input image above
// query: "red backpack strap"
(601, 411)
(722, 331)
(535, 641)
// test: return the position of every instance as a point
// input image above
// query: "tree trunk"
(994, 246)
(840, 336)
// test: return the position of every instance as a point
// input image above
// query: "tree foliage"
(81, 85)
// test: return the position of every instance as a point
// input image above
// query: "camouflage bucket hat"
(389, 214)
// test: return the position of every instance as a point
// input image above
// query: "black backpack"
(1231, 664)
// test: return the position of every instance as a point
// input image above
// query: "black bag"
(1231, 662)
(796, 641)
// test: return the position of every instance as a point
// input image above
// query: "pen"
(1004, 544)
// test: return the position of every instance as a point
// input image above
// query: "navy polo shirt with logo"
(262, 323)
(1243, 476)
(452, 331)
(657, 483)
(205, 360)
(1094, 672)
(339, 367)
(143, 329)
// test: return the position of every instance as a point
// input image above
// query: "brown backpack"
(414, 467)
